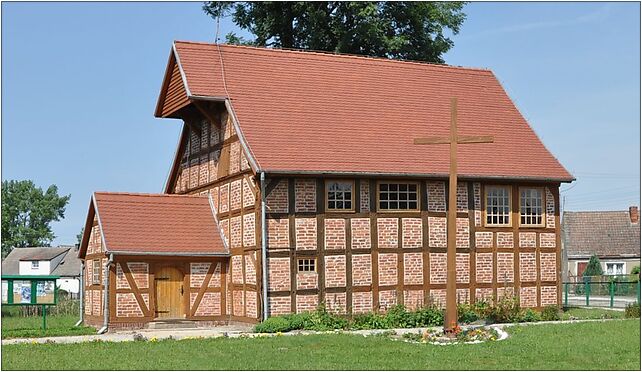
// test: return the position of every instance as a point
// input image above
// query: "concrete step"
(171, 324)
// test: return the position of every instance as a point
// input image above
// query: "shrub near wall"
(505, 310)
(321, 320)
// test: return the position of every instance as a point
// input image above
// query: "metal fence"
(613, 291)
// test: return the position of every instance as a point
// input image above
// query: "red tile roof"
(158, 223)
(316, 112)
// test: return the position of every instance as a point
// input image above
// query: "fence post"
(612, 291)
(565, 294)
(638, 291)
(44, 318)
(587, 288)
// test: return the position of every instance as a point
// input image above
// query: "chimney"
(634, 214)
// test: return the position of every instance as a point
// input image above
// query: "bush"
(506, 310)
(551, 312)
(368, 321)
(466, 313)
(321, 320)
(529, 315)
(398, 317)
(632, 310)
(593, 268)
(428, 317)
(635, 270)
(273, 325)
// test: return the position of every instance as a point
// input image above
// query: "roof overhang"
(463, 177)
(173, 254)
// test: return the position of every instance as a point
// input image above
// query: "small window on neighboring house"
(398, 196)
(497, 205)
(531, 206)
(615, 268)
(339, 195)
(96, 272)
(35, 265)
(307, 265)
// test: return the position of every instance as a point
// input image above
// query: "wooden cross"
(450, 320)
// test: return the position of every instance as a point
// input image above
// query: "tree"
(27, 212)
(80, 234)
(399, 30)
(593, 268)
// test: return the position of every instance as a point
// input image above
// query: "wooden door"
(581, 266)
(169, 293)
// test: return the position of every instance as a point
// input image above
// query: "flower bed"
(473, 335)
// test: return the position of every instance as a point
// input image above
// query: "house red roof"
(314, 112)
(603, 233)
(157, 223)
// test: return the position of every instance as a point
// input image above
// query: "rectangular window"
(531, 210)
(35, 265)
(307, 265)
(616, 268)
(96, 278)
(339, 195)
(497, 205)
(398, 196)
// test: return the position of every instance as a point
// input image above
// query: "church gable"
(173, 95)
(209, 150)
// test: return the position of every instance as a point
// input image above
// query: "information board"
(29, 290)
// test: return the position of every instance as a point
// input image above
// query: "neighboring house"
(613, 236)
(62, 261)
(308, 159)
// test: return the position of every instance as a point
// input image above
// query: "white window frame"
(542, 204)
(510, 206)
(614, 263)
(577, 267)
(35, 265)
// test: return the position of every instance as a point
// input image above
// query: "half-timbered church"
(295, 182)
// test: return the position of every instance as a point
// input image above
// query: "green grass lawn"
(31, 326)
(578, 346)
(581, 313)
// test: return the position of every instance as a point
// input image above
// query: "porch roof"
(158, 224)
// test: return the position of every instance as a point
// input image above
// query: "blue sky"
(80, 82)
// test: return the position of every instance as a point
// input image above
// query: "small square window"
(339, 195)
(307, 265)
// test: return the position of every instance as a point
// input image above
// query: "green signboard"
(30, 290)
(24, 290)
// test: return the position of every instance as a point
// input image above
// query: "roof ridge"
(342, 55)
(147, 194)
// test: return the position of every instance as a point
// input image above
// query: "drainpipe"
(264, 268)
(81, 292)
(106, 295)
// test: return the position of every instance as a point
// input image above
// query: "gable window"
(398, 196)
(531, 208)
(339, 195)
(35, 265)
(307, 265)
(96, 272)
(497, 205)
(614, 268)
